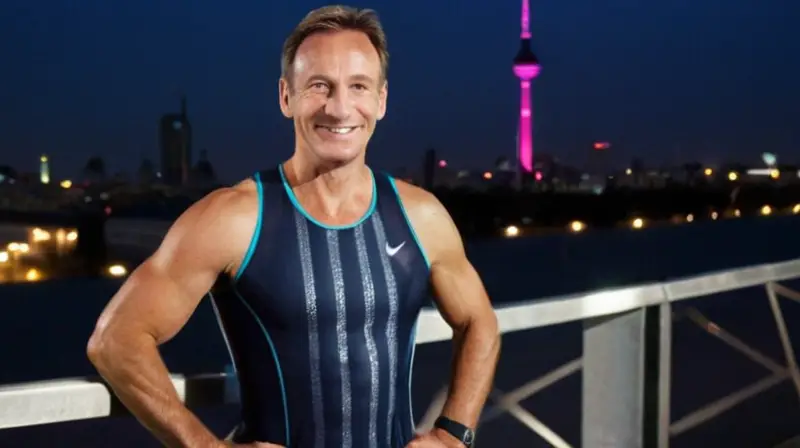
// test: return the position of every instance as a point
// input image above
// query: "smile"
(341, 130)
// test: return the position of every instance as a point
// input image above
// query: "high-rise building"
(44, 169)
(175, 134)
(526, 67)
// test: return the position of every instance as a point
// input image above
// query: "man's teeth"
(341, 130)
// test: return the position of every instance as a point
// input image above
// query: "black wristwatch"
(457, 430)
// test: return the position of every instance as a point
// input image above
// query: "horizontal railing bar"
(561, 309)
(54, 401)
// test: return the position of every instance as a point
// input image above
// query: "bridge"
(626, 393)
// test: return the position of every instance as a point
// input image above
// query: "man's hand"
(435, 439)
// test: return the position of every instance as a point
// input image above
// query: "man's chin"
(337, 156)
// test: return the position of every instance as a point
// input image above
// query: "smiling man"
(330, 265)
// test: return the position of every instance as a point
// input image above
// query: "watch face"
(468, 437)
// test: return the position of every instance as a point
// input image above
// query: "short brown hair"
(336, 18)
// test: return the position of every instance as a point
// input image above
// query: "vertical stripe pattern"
(369, 322)
(341, 336)
(391, 324)
(313, 329)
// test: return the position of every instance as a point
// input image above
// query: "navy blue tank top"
(321, 323)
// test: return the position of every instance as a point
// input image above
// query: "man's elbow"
(484, 326)
(108, 347)
(99, 347)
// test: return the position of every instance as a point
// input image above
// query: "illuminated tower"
(44, 170)
(526, 67)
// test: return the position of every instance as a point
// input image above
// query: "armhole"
(408, 222)
(256, 232)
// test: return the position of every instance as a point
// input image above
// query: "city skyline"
(664, 83)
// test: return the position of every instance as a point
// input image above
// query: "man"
(329, 264)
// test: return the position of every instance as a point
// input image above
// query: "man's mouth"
(339, 130)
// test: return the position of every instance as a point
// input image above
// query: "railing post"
(613, 380)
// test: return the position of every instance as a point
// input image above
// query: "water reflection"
(37, 254)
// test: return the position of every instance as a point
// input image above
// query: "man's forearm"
(477, 349)
(141, 381)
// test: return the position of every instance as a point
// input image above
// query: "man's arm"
(462, 300)
(157, 300)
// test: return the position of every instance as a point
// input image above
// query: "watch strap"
(457, 430)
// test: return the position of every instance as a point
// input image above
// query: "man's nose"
(338, 105)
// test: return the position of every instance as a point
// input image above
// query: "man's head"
(333, 82)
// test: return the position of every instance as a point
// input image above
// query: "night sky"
(666, 81)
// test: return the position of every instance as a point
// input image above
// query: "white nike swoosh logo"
(393, 250)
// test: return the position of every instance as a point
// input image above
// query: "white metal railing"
(75, 399)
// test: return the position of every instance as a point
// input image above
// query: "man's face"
(335, 95)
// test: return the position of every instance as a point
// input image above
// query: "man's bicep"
(458, 291)
(162, 293)
(152, 301)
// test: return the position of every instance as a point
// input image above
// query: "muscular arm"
(462, 300)
(157, 300)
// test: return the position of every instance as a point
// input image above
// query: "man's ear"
(383, 95)
(284, 92)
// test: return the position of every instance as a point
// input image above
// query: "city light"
(511, 231)
(766, 210)
(442, 163)
(689, 217)
(775, 174)
(39, 235)
(72, 236)
(637, 223)
(708, 171)
(796, 209)
(3, 257)
(66, 184)
(737, 213)
(577, 226)
(19, 247)
(733, 176)
(714, 215)
(487, 175)
(33, 275)
(44, 170)
(628, 171)
(117, 270)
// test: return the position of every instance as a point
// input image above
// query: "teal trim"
(411, 227)
(300, 208)
(411, 352)
(254, 239)
(277, 365)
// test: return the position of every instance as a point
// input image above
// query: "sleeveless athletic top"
(321, 323)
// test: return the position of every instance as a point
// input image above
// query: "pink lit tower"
(526, 67)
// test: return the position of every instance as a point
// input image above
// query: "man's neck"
(331, 187)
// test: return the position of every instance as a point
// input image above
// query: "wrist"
(453, 433)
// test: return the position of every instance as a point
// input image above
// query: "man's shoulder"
(239, 198)
(224, 209)
(420, 204)
(429, 219)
